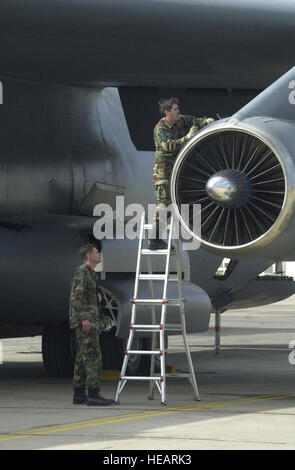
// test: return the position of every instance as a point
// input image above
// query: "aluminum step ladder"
(157, 328)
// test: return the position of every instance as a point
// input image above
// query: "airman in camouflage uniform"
(85, 320)
(170, 134)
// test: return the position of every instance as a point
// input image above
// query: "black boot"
(79, 397)
(95, 399)
(157, 243)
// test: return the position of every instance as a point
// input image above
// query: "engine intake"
(241, 171)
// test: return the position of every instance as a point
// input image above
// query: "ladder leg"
(120, 387)
(192, 372)
(121, 382)
(163, 368)
(153, 346)
(152, 368)
(163, 318)
(124, 367)
(182, 318)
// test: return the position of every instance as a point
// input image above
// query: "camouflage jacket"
(83, 298)
(168, 141)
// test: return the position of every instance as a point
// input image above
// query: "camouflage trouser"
(162, 192)
(88, 359)
(163, 198)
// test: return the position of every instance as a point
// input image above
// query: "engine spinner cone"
(228, 188)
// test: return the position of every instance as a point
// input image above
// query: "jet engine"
(241, 173)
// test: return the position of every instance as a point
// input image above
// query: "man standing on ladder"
(170, 134)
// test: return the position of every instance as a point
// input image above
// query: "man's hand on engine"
(209, 120)
(193, 130)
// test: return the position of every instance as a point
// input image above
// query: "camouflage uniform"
(84, 306)
(168, 142)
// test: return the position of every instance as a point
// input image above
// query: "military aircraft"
(80, 85)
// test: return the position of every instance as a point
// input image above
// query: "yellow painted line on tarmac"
(48, 430)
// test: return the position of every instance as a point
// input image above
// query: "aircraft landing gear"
(217, 332)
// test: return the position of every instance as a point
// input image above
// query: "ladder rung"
(150, 226)
(167, 375)
(169, 326)
(144, 352)
(146, 251)
(143, 327)
(156, 277)
(145, 330)
(152, 277)
(171, 302)
(130, 377)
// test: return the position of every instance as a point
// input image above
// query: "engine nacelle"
(241, 171)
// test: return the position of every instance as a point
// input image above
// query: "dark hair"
(85, 250)
(165, 104)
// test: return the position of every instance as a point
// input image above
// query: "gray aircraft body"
(80, 85)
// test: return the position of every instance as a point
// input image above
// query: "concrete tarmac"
(247, 395)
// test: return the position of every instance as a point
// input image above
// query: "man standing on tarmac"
(85, 320)
(170, 134)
